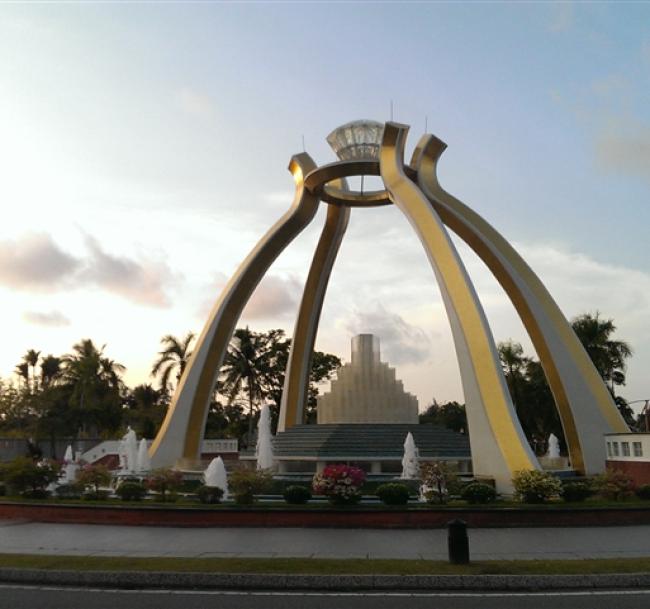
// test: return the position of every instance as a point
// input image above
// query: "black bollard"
(458, 542)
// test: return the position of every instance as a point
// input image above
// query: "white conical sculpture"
(69, 467)
(130, 451)
(144, 461)
(410, 465)
(553, 451)
(68, 457)
(264, 448)
(215, 475)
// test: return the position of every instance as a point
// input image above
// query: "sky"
(144, 151)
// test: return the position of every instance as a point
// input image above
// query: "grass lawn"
(325, 566)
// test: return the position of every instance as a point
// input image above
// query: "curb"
(243, 581)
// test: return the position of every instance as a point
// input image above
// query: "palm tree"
(22, 370)
(31, 359)
(174, 357)
(50, 369)
(247, 367)
(609, 356)
(514, 365)
(95, 383)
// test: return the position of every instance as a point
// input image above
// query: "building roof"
(369, 441)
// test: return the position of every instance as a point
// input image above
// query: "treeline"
(82, 393)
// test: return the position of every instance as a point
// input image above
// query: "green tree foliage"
(450, 415)
(172, 359)
(145, 409)
(254, 370)
(94, 383)
(608, 355)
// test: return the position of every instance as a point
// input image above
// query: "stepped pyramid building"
(366, 390)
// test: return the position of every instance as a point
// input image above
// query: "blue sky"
(144, 152)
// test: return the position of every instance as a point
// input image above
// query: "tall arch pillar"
(499, 446)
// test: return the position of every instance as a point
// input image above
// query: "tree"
(94, 382)
(531, 396)
(31, 359)
(50, 369)
(609, 356)
(450, 415)
(248, 368)
(173, 358)
(145, 409)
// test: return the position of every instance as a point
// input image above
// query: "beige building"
(366, 390)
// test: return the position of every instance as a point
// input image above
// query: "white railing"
(219, 446)
(111, 447)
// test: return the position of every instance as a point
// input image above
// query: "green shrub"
(614, 485)
(534, 486)
(131, 490)
(165, 481)
(69, 491)
(209, 494)
(296, 494)
(439, 481)
(478, 492)
(3, 489)
(244, 484)
(643, 492)
(30, 479)
(91, 477)
(393, 493)
(576, 491)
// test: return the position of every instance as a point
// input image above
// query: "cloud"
(196, 103)
(275, 298)
(624, 146)
(401, 342)
(142, 281)
(53, 319)
(35, 263)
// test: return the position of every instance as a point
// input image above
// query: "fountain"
(144, 460)
(69, 470)
(410, 465)
(215, 475)
(129, 452)
(553, 451)
(264, 448)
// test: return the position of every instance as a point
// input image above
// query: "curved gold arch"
(585, 406)
(296, 380)
(499, 447)
(182, 429)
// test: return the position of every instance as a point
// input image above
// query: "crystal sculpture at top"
(357, 140)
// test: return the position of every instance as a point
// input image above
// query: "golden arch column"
(585, 405)
(498, 445)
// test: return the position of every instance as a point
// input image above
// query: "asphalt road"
(39, 597)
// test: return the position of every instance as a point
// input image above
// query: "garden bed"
(314, 515)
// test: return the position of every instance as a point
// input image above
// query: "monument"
(498, 445)
(366, 390)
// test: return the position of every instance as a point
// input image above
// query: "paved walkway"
(485, 544)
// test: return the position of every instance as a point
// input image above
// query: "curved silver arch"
(499, 447)
(585, 406)
(182, 430)
(296, 380)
